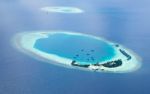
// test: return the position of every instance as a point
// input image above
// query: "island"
(125, 54)
(61, 9)
(77, 51)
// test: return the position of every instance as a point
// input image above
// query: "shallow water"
(83, 49)
(122, 21)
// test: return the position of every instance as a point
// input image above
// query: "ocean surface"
(123, 21)
(81, 48)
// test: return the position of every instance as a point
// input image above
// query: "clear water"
(85, 50)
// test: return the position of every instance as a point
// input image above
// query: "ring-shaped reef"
(77, 50)
(61, 9)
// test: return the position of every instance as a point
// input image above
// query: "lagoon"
(81, 48)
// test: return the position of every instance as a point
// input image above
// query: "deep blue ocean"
(126, 22)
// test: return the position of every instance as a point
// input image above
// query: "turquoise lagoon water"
(84, 49)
